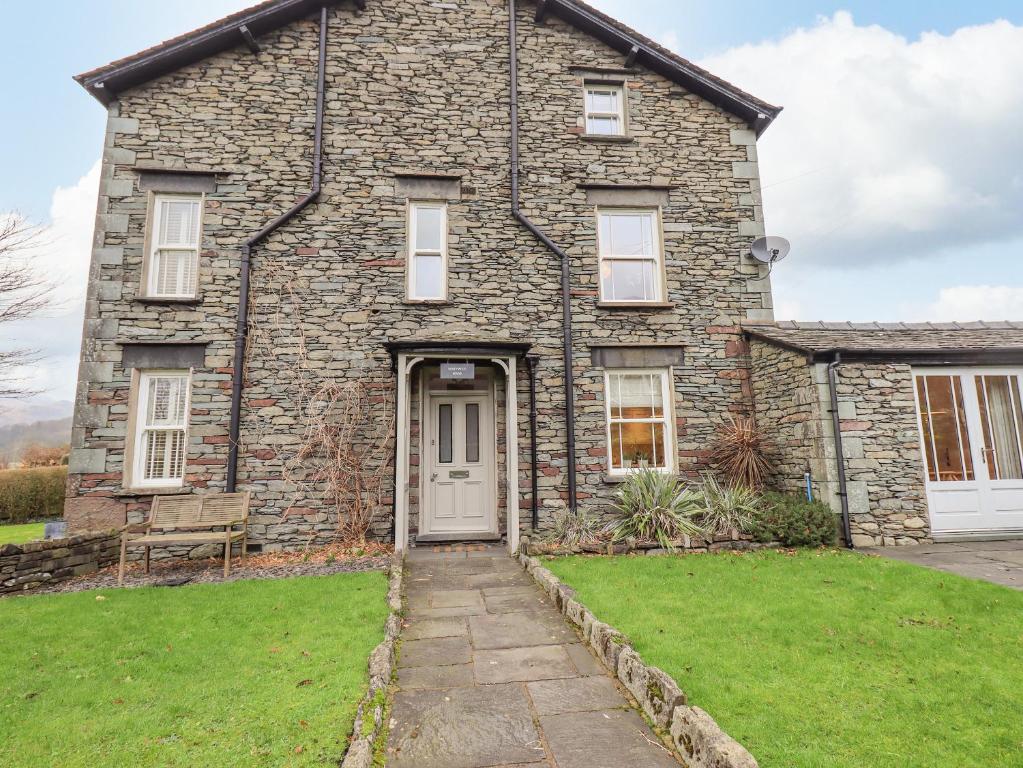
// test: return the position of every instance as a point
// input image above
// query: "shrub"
(728, 509)
(655, 506)
(572, 528)
(794, 522)
(31, 494)
(740, 452)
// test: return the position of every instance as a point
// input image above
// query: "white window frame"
(155, 246)
(619, 115)
(667, 419)
(414, 250)
(137, 479)
(657, 257)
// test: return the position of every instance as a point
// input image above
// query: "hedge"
(31, 494)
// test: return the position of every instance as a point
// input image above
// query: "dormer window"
(605, 109)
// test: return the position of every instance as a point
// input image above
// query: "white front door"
(460, 451)
(971, 432)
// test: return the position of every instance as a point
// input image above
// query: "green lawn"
(248, 673)
(19, 534)
(826, 658)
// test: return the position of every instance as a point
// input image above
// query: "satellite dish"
(768, 250)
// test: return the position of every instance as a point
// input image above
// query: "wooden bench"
(190, 519)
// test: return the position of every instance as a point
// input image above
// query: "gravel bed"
(209, 572)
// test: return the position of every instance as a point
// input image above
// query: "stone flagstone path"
(490, 674)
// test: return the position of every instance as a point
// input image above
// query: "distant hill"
(22, 413)
(14, 438)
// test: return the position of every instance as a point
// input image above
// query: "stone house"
(471, 215)
(928, 419)
(505, 243)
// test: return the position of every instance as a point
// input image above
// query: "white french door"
(460, 451)
(971, 437)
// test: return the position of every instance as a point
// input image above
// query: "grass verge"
(19, 534)
(826, 659)
(247, 673)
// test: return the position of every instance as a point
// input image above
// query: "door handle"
(433, 476)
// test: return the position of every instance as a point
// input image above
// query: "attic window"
(605, 109)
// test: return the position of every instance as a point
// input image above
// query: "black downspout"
(242, 328)
(843, 493)
(531, 362)
(394, 458)
(566, 291)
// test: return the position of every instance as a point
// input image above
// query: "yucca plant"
(728, 509)
(740, 452)
(572, 529)
(655, 506)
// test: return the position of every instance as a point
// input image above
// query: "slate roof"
(895, 339)
(105, 82)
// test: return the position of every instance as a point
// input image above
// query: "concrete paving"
(490, 675)
(1000, 562)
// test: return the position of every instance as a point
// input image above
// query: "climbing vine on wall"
(330, 430)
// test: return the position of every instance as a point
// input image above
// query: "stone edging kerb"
(699, 741)
(369, 720)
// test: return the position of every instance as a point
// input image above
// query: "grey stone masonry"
(880, 439)
(413, 89)
(26, 566)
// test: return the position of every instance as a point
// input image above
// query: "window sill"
(425, 301)
(601, 138)
(133, 492)
(650, 306)
(610, 479)
(167, 300)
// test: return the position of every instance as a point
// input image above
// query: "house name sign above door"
(460, 371)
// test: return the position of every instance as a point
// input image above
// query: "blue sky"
(891, 169)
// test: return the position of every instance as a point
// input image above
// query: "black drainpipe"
(843, 493)
(531, 362)
(242, 330)
(566, 292)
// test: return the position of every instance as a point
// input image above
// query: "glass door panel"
(946, 436)
(1001, 418)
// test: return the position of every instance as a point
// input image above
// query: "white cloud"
(888, 148)
(63, 257)
(975, 302)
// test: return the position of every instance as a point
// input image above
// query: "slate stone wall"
(37, 563)
(412, 88)
(880, 439)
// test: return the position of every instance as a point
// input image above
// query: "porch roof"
(989, 343)
(455, 338)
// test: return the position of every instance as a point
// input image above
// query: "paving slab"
(585, 662)
(542, 662)
(435, 652)
(605, 739)
(446, 613)
(521, 599)
(430, 628)
(455, 598)
(575, 694)
(511, 630)
(462, 728)
(518, 578)
(449, 676)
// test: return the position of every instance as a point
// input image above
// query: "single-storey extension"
(911, 430)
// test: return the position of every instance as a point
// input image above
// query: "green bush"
(31, 494)
(655, 506)
(794, 522)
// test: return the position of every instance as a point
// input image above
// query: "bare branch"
(24, 292)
